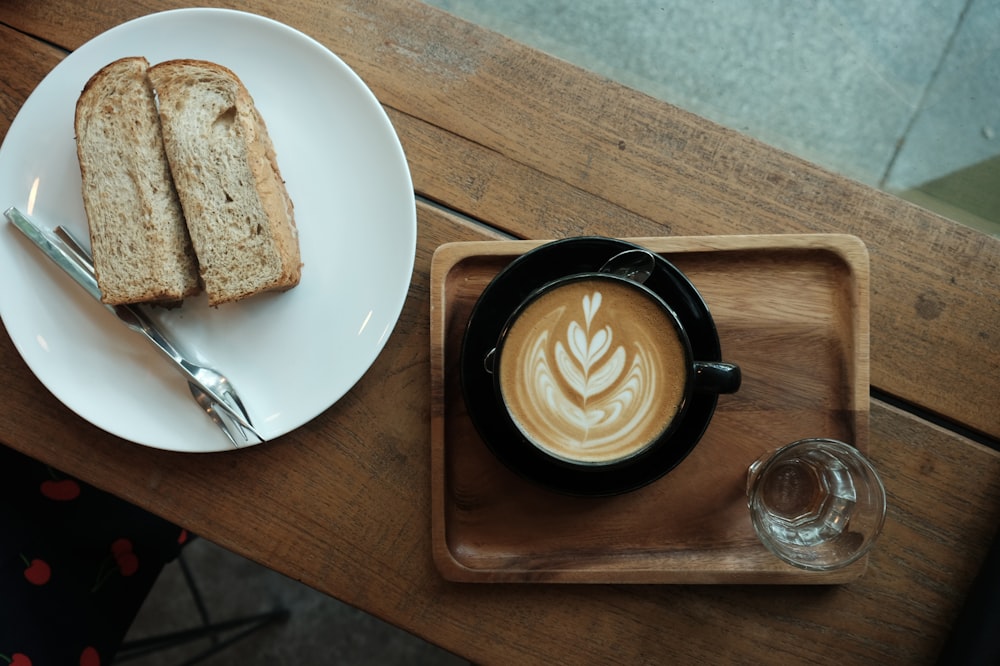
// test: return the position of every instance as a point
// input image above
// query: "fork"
(210, 388)
(205, 401)
(204, 378)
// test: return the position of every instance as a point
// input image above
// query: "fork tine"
(235, 402)
(219, 421)
(205, 402)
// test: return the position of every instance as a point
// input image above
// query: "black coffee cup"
(592, 384)
(594, 368)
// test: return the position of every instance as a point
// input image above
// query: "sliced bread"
(238, 213)
(139, 241)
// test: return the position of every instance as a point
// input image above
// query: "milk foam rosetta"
(593, 371)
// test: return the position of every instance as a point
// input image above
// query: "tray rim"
(850, 250)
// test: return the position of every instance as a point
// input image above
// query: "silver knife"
(81, 270)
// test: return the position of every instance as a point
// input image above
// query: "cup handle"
(716, 377)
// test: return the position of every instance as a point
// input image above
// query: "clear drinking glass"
(818, 504)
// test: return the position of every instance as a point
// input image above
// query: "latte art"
(593, 371)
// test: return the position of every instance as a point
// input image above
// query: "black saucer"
(502, 296)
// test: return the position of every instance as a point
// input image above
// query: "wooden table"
(503, 140)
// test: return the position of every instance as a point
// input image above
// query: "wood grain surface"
(791, 311)
(568, 152)
(530, 146)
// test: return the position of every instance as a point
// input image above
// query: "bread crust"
(140, 244)
(238, 212)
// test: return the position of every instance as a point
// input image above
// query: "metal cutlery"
(212, 391)
(205, 401)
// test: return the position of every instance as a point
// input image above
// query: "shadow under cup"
(593, 374)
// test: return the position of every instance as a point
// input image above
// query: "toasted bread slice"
(138, 237)
(238, 212)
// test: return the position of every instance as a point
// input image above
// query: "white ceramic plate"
(290, 355)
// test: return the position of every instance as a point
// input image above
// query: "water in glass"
(808, 499)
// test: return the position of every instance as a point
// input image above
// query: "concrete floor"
(319, 629)
(895, 94)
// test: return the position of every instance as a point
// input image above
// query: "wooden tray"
(791, 310)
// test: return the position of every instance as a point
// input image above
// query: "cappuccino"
(593, 370)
